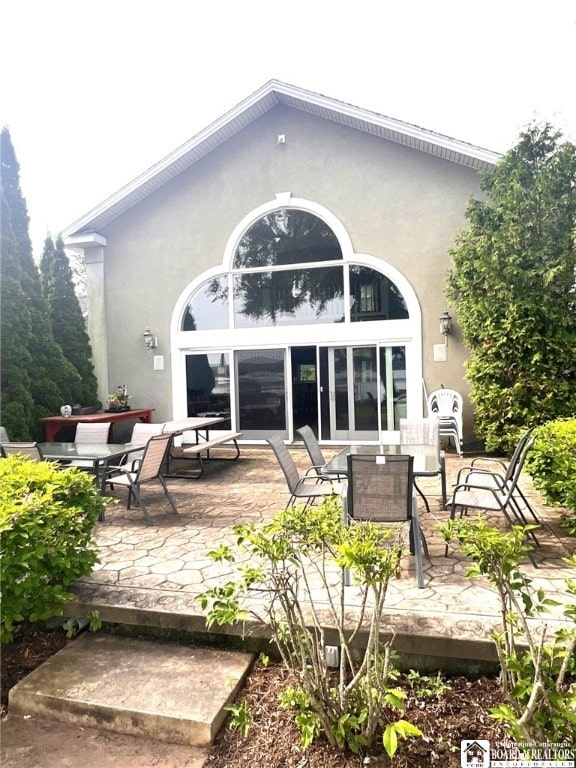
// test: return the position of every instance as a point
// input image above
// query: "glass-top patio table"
(426, 460)
(100, 455)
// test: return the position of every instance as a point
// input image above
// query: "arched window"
(267, 289)
(286, 236)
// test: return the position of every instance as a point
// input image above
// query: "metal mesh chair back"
(514, 471)
(152, 458)
(31, 450)
(286, 462)
(92, 433)
(380, 487)
(313, 448)
(519, 455)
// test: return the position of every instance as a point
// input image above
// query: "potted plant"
(118, 401)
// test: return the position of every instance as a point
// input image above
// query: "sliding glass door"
(366, 391)
(261, 393)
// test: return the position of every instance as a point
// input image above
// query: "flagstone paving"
(153, 574)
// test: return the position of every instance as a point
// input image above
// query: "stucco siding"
(397, 204)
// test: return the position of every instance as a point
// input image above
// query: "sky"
(96, 92)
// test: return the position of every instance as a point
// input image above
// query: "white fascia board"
(246, 112)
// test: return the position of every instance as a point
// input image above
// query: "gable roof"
(250, 109)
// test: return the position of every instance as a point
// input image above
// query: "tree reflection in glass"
(287, 236)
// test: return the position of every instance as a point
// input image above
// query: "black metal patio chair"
(304, 489)
(149, 469)
(381, 490)
(316, 456)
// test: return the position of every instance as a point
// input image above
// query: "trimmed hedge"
(46, 520)
(552, 462)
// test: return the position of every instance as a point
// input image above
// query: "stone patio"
(152, 575)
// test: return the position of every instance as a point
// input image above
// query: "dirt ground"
(273, 742)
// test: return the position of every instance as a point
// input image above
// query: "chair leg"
(417, 538)
(167, 492)
(140, 503)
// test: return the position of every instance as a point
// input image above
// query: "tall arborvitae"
(53, 380)
(66, 317)
(15, 329)
(513, 286)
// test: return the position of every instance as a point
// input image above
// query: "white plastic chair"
(446, 405)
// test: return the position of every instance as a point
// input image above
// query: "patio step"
(171, 693)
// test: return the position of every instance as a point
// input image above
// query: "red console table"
(52, 424)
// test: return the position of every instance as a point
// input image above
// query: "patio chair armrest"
(487, 460)
(472, 487)
(116, 469)
(478, 471)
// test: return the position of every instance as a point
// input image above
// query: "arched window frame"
(406, 331)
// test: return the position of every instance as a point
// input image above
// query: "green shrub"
(290, 580)
(552, 462)
(46, 521)
(537, 656)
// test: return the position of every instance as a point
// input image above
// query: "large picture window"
(267, 292)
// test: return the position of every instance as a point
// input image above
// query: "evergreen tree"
(68, 326)
(53, 380)
(15, 330)
(513, 284)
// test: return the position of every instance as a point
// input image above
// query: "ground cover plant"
(46, 520)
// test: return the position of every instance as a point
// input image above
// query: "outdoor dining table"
(198, 424)
(426, 461)
(101, 455)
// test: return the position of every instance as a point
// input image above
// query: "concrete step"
(161, 691)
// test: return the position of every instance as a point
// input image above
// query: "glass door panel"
(208, 386)
(261, 393)
(354, 393)
(366, 393)
(393, 377)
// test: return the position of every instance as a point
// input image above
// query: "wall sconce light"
(445, 323)
(150, 340)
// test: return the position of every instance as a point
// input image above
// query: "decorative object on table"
(66, 411)
(118, 401)
(83, 410)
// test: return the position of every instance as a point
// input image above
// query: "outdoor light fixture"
(150, 340)
(445, 323)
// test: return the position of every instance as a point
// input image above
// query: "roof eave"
(272, 93)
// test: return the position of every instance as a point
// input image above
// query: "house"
(288, 266)
(475, 754)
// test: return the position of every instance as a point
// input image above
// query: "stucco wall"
(397, 204)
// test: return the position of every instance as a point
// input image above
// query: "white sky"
(94, 92)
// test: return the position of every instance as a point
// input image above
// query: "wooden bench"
(201, 450)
